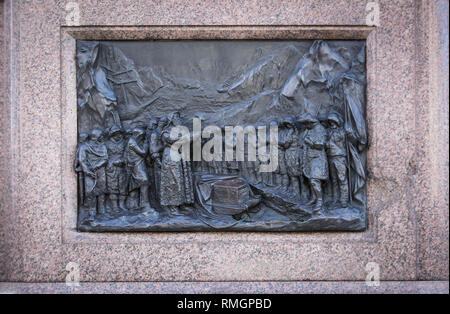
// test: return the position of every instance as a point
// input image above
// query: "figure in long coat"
(337, 158)
(315, 161)
(136, 152)
(154, 156)
(116, 177)
(93, 158)
(176, 176)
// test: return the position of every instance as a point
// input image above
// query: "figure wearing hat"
(176, 189)
(337, 158)
(93, 159)
(315, 159)
(136, 152)
(116, 177)
(156, 149)
(154, 156)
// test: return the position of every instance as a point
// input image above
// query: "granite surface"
(287, 287)
(407, 112)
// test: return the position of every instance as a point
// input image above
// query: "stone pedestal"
(407, 115)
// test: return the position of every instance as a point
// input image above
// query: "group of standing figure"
(122, 170)
(324, 158)
(312, 156)
(308, 158)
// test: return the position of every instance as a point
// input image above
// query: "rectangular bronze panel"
(307, 98)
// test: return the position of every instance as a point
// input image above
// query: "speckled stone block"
(407, 113)
(278, 287)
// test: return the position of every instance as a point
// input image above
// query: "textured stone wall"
(407, 109)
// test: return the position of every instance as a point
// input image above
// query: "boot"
(318, 205)
(91, 216)
(344, 194)
(122, 203)
(318, 196)
(114, 202)
(101, 204)
(174, 211)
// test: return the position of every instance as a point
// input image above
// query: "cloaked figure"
(136, 152)
(97, 83)
(154, 155)
(93, 87)
(315, 159)
(116, 177)
(176, 175)
(337, 158)
(93, 157)
(156, 151)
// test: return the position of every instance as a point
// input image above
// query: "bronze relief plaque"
(221, 135)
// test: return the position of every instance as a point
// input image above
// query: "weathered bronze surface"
(132, 96)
